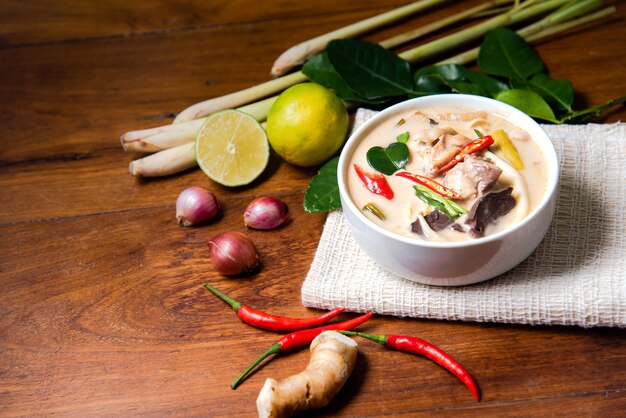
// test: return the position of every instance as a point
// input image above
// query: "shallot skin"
(195, 205)
(265, 213)
(233, 253)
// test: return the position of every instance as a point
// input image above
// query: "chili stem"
(235, 304)
(380, 339)
(274, 349)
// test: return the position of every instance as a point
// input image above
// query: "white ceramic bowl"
(455, 263)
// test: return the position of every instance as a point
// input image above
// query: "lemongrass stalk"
(567, 12)
(162, 137)
(600, 14)
(298, 54)
(259, 110)
(240, 98)
(464, 36)
(166, 162)
(497, 10)
(492, 12)
(533, 33)
(168, 136)
(439, 24)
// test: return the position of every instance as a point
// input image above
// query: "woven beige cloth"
(577, 275)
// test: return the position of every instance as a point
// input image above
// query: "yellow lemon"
(307, 124)
(231, 148)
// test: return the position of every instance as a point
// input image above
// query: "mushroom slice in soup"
(437, 220)
(488, 209)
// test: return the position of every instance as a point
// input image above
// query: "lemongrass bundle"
(171, 160)
(168, 136)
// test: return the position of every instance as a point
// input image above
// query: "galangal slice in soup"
(446, 174)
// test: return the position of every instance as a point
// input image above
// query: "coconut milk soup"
(462, 174)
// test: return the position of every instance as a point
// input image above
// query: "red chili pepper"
(299, 339)
(270, 322)
(375, 183)
(416, 345)
(474, 146)
(431, 184)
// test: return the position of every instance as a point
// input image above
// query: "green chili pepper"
(509, 150)
(449, 207)
(373, 209)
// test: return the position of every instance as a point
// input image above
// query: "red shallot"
(265, 213)
(233, 253)
(195, 205)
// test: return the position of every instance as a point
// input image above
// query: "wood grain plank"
(106, 315)
(121, 313)
(102, 311)
(27, 23)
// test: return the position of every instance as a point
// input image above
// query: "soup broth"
(445, 192)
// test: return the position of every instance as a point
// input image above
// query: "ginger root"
(333, 357)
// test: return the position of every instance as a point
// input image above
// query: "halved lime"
(232, 148)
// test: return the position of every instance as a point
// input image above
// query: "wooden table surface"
(102, 309)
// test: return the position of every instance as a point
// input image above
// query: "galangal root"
(333, 357)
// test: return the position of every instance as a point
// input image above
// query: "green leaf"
(478, 133)
(447, 71)
(322, 195)
(369, 69)
(403, 137)
(437, 84)
(319, 70)
(449, 207)
(503, 52)
(558, 93)
(428, 84)
(467, 88)
(464, 80)
(528, 102)
(388, 160)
